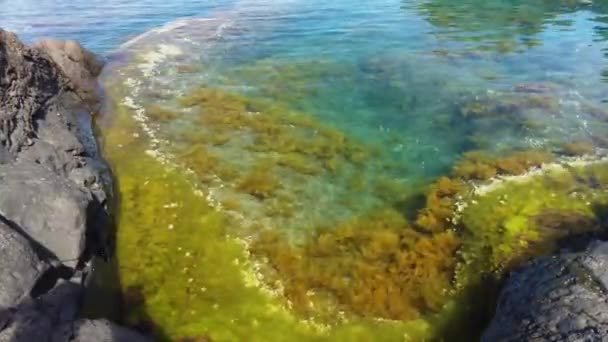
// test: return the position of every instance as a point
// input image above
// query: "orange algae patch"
(289, 81)
(439, 207)
(198, 157)
(160, 114)
(508, 105)
(478, 165)
(368, 267)
(371, 266)
(374, 266)
(275, 128)
(274, 141)
(577, 148)
(299, 163)
(260, 182)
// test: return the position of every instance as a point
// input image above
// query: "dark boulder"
(557, 298)
(36, 319)
(79, 65)
(101, 330)
(52, 181)
(29, 88)
(22, 263)
(52, 210)
(53, 192)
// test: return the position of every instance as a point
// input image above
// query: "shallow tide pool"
(340, 171)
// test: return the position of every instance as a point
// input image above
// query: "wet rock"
(79, 65)
(557, 298)
(5, 157)
(53, 191)
(52, 210)
(95, 331)
(37, 319)
(29, 85)
(20, 266)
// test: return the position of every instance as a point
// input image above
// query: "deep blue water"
(100, 25)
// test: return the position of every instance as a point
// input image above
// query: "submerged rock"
(557, 298)
(53, 189)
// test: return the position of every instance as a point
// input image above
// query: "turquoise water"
(314, 129)
(100, 25)
(417, 82)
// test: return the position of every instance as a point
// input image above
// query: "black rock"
(557, 298)
(95, 331)
(21, 265)
(37, 319)
(52, 210)
(53, 192)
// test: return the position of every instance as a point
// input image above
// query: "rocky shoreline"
(54, 193)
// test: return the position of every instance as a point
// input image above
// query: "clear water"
(100, 25)
(291, 143)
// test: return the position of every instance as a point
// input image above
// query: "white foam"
(153, 59)
(560, 165)
(172, 27)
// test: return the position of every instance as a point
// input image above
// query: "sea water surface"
(339, 170)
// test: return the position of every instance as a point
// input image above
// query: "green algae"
(521, 219)
(294, 82)
(178, 269)
(577, 148)
(184, 276)
(479, 165)
(373, 266)
(271, 152)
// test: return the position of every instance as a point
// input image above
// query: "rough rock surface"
(95, 331)
(49, 208)
(53, 183)
(557, 298)
(22, 265)
(81, 67)
(37, 319)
